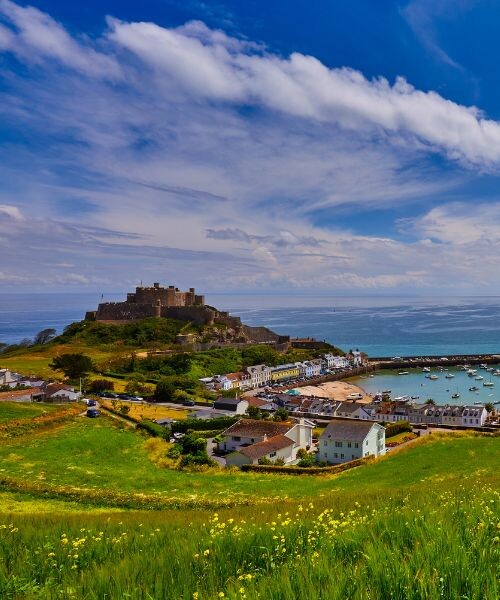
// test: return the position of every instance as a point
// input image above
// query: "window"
(338, 444)
(341, 456)
(236, 438)
(366, 443)
(349, 444)
(356, 444)
(272, 454)
(336, 455)
(325, 455)
(353, 456)
(325, 443)
(253, 440)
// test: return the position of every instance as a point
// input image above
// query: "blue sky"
(312, 147)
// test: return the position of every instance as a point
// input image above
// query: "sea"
(379, 326)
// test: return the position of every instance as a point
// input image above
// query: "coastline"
(336, 390)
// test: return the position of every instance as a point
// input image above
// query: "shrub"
(153, 429)
(101, 385)
(398, 427)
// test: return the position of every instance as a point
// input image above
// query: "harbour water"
(441, 390)
(380, 326)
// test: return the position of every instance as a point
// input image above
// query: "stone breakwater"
(386, 362)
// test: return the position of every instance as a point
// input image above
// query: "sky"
(326, 147)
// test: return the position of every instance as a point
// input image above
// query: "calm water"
(378, 326)
(440, 390)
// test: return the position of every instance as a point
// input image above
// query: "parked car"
(188, 403)
(92, 413)
(91, 403)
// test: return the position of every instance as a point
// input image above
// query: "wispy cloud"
(205, 158)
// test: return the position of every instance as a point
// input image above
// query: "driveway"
(211, 447)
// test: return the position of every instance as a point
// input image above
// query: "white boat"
(488, 384)
(478, 402)
(471, 372)
(433, 377)
(457, 395)
(403, 373)
(479, 378)
(426, 370)
(449, 376)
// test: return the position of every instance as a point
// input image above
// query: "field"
(148, 411)
(23, 410)
(423, 523)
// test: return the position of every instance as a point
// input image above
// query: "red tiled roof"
(18, 393)
(257, 402)
(260, 449)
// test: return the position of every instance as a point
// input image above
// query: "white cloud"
(11, 211)
(35, 35)
(217, 68)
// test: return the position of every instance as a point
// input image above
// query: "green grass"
(97, 454)
(423, 523)
(23, 410)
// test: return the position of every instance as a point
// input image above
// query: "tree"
(254, 413)
(44, 336)
(430, 401)
(25, 343)
(281, 414)
(135, 384)
(72, 365)
(489, 407)
(165, 391)
(101, 385)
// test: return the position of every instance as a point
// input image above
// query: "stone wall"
(123, 311)
(199, 315)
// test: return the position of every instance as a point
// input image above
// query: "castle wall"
(123, 311)
(199, 315)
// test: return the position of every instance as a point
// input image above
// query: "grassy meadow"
(422, 523)
(147, 411)
(23, 410)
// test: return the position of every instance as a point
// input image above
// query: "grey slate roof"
(347, 429)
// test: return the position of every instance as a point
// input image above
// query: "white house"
(251, 439)
(58, 392)
(336, 362)
(356, 358)
(6, 377)
(346, 439)
(260, 375)
(353, 410)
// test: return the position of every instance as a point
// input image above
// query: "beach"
(335, 390)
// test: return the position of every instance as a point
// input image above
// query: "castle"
(170, 302)
(158, 301)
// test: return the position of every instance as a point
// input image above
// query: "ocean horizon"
(379, 326)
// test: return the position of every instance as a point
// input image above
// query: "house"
(235, 379)
(59, 392)
(283, 372)
(260, 375)
(279, 446)
(355, 358)
(241, 437)
(344, 440)
(474, 415)
(336, 362)
(7, 377)
(353, 410)
(236, 405)
(27, 395)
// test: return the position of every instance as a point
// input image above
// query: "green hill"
(421, 523)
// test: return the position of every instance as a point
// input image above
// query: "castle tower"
(157, 309)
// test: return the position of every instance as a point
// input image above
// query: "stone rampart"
(123, 311)
(199, 315)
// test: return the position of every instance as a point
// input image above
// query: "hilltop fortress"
(170, 302)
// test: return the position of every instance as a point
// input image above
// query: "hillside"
(145, 351)
(421, 523)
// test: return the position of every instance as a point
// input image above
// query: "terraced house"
(284, 372)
